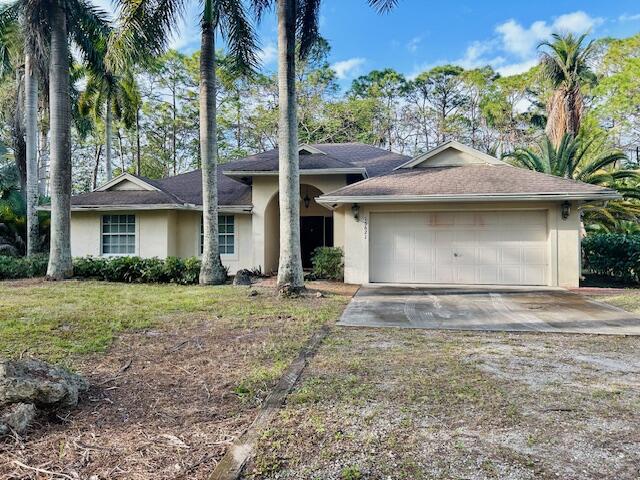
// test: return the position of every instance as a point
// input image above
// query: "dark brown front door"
(311, 237)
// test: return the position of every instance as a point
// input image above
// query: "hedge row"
(613, 255)
(114, 269)
(139, 270)
(23, 267)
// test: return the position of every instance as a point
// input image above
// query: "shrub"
(613, 255)
(23, 267)
(139, 270)
(327, 263)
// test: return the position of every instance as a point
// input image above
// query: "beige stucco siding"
(85, 234)
(265, 225)
(563, 236)
(161, 234)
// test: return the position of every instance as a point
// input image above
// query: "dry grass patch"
(176, 372)
(380, 404)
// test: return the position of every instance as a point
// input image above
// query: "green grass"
(56, 320)
(627, 301)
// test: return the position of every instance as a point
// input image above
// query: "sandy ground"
(411, 404)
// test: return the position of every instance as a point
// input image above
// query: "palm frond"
(89, 29)
(600, 163)
(308, 25)
(145, 29)
(383, 6)
(239, 33)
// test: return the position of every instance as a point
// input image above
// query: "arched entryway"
(316, 227)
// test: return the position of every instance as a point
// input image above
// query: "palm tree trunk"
(60, 265)
(211, 271)
(43, 155)
(290, 274)
(96, 167)
(31, 127)
(138, 166)
(108, 127)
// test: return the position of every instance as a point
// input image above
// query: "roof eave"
(160, 206)
(310, 171)
(338, 199)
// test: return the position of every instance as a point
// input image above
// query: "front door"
(311, 237)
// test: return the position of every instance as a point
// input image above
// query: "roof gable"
(306, 149)
(451, 154)
(126, 181)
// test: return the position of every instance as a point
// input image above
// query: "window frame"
(103, 234)
(229, 256)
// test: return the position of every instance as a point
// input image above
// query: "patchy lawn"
(412, 404)
(628, 300)
(177, 372)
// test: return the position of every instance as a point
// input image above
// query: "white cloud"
(413, 44)
(523, 41)
(514, 47)
(515, 68)
(626, 17)
(268, 54)
(576, 22)
(348, 68)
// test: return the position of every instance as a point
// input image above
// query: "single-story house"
(453, 215)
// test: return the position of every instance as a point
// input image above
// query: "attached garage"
(491, 248)
(455, 215)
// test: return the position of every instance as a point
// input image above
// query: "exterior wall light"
(566, 210)
(355, 208)
(306, 200)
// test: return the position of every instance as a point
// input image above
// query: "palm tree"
(151, 23)
(106, 96)
(590, 162)
(18, 59)
(293, 16)
(566, 62)
(48, 27)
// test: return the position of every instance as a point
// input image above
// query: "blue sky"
(419, 34)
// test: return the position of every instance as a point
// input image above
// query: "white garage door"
(491, 248)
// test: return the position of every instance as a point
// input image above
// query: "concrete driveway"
(491, 309)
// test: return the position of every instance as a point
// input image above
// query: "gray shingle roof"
(338, 155)
(178, 190)
(122, 197)
(268, 162)
(466, 180)
(187, 187)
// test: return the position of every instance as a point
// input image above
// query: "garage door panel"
(460, 247)
(488, 255)
(534, 275)
(488, 275)
(535, 256)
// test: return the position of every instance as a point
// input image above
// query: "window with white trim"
(118, 234)
(226, 234)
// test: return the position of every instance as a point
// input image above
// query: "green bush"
(23, 267)
(139, 270)
(328, 263)
(614, 255)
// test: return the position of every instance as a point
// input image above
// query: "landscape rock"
(36, 382)
(17, 418)
(243, 277)
(253, 293)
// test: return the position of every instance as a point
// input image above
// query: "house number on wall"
(365, 227)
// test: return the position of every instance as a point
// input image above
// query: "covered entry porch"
(316, 227)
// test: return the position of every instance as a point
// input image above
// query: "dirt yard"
(414, 404)
(176, 372)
